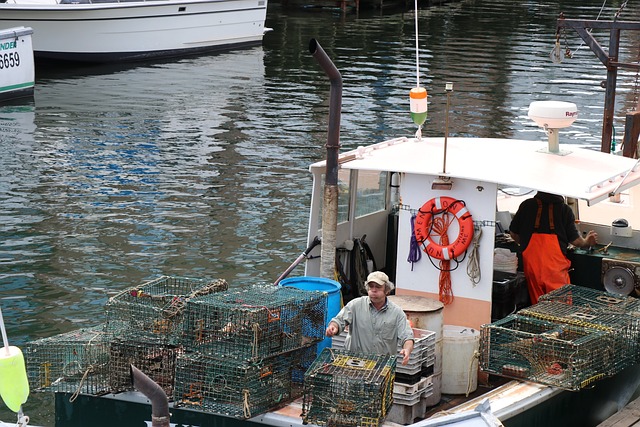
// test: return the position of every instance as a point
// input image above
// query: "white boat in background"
(17, 73)
(106, 31)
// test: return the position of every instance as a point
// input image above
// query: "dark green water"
(197, 167)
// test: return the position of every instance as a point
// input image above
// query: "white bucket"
(460, 359)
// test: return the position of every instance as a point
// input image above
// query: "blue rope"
(415, 254)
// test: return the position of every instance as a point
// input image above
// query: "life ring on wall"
(424, 225)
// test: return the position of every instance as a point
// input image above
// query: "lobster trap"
(622, 332)
(157, 361)
(232, 387)
(561, 355)
(256, 322)
(154, 310)
(582, 296)
(343, 388)
(71, 362)
(301, 362)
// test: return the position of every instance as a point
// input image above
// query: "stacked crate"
(245, 348)
(346, 389)
(146, 323)
(413, 381)
(75, 361)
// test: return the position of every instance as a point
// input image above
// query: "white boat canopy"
(574, 171)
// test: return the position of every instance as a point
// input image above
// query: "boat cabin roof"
(573, 171)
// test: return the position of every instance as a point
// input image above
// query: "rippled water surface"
(197, 167)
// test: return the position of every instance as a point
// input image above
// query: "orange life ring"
(423, 225)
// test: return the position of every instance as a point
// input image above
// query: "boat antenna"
(418, 95)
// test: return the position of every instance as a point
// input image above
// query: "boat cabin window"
(343, 195)
(371, 196)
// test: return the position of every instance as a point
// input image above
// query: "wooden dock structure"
(629, 416)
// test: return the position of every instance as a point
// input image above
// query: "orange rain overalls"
(545, 266)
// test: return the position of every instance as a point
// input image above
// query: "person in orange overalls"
(543, 226)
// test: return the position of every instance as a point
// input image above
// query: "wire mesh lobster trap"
(622, 332)
(232, 387)
(156, 360)
(301, 362)
(256, 322)
(343, 388)
(592, 298)
(154, 310)
(75, 361)
(562, 355)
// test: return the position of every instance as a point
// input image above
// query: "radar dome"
(553, 114)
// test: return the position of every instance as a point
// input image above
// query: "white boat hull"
(103, 32)
(17, 75)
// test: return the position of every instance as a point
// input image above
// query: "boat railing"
(99, 1)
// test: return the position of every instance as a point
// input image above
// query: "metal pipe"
(448, 88)
(159, 402)
(335, 110)
(330, 197)
(305, 254)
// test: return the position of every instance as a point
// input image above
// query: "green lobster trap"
(622, 332)
(254, 323)
(592, 298)
(561, 355)
(343, 388)
(75, 361)
(155, 360)
(153, 311)
(241, 389)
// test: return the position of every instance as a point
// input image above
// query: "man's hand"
(407, 348)
(332, 329)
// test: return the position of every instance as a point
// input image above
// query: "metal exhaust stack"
(330, 199)
(159, 403)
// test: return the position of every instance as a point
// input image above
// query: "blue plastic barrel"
(334, 297)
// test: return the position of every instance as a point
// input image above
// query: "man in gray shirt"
(376, 324)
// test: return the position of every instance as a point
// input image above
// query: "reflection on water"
(198, 167)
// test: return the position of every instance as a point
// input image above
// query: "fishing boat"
(375, 201)
(17, 64)
(108, 31)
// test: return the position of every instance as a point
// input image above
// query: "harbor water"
(198, 167)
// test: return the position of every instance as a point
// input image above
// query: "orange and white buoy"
(418, 105)
(14, 385)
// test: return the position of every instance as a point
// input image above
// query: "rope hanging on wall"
(414, 248)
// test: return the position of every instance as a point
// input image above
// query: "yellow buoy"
(418, 105)
(14, 385)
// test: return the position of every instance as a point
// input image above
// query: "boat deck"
(627, 417)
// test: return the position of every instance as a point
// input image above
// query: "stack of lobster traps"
(571, 338)
(244, 347)
(210, 348)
